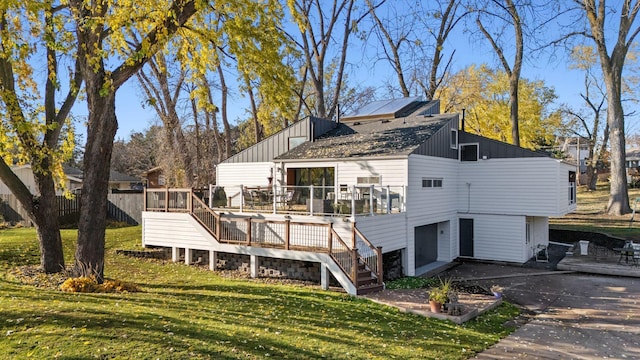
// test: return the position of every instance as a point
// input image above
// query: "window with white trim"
(363, 180)
(469, 152)
(454, 138)
(431, 182)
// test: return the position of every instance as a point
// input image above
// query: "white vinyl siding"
(520, 186)
(388, 231)
(539, 232)
(498, 238)
(247, 174)
(172, 229)
(391, 172)
(231, 176)
(427, 204)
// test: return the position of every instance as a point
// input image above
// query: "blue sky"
(364, 71)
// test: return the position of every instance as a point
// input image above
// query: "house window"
(431, 182)
(469, 152)
(454, 138)
(368, 180)
(296, 140)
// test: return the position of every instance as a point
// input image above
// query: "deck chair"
(248, 199)
(542, 253)
(636, 253)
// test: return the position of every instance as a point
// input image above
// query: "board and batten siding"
(388, 231)
(518, 186)
(278, 143)
(498, 237)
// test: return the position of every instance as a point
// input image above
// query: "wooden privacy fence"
(122, 207)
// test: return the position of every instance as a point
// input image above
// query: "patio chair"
(248, 198)
(542, 253)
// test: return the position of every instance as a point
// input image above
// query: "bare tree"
(612, 63)
(319, 34)
(505, 15)
(589, 122)
(164, 95)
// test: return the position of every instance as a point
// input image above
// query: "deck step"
(369, 289)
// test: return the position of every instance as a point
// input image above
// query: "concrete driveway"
(577, 316)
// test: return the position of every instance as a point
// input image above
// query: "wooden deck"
(602, 261)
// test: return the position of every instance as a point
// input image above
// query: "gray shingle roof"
(399, 136)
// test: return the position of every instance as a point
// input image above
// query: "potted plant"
(439, 295)
(497, 291)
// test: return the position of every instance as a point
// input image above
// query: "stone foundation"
(392, 265)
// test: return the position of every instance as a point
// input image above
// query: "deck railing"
(343, 200)
(285, 234)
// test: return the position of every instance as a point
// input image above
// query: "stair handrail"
(205, 215)
(368, 253)
(343, 255)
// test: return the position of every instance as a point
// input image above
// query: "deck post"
(166, 199)
(324, 276)
(311, 200)
(248, 231)
(274, 197)
(388, 200)
(213, 260)
(287, 234)
(187, 256)
(144, 199)
(241, 198)
(330, 238)
(371, 200)
(175, 254)
(353, 235)
(379, 272)
(254, 266)
(354, 267)
(211, 191)
(353, 201)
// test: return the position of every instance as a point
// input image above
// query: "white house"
(397, 176)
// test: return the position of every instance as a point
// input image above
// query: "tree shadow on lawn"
(208, 321)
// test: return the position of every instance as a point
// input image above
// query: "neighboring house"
(154, 177)
(73, 182)
(396, 175)
(632, 159)
(575, 148)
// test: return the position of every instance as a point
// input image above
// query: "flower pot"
(584, 247)
(436, 307)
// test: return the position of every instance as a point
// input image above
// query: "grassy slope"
(189, 312)
(591, 215)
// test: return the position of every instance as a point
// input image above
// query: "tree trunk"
(42, 211)
(47, 225)
(513, 109)
(618, 193)
(95, 185)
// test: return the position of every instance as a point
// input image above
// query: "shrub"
(90, 285)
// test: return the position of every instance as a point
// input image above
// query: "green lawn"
(190, 312)
(591, 215)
